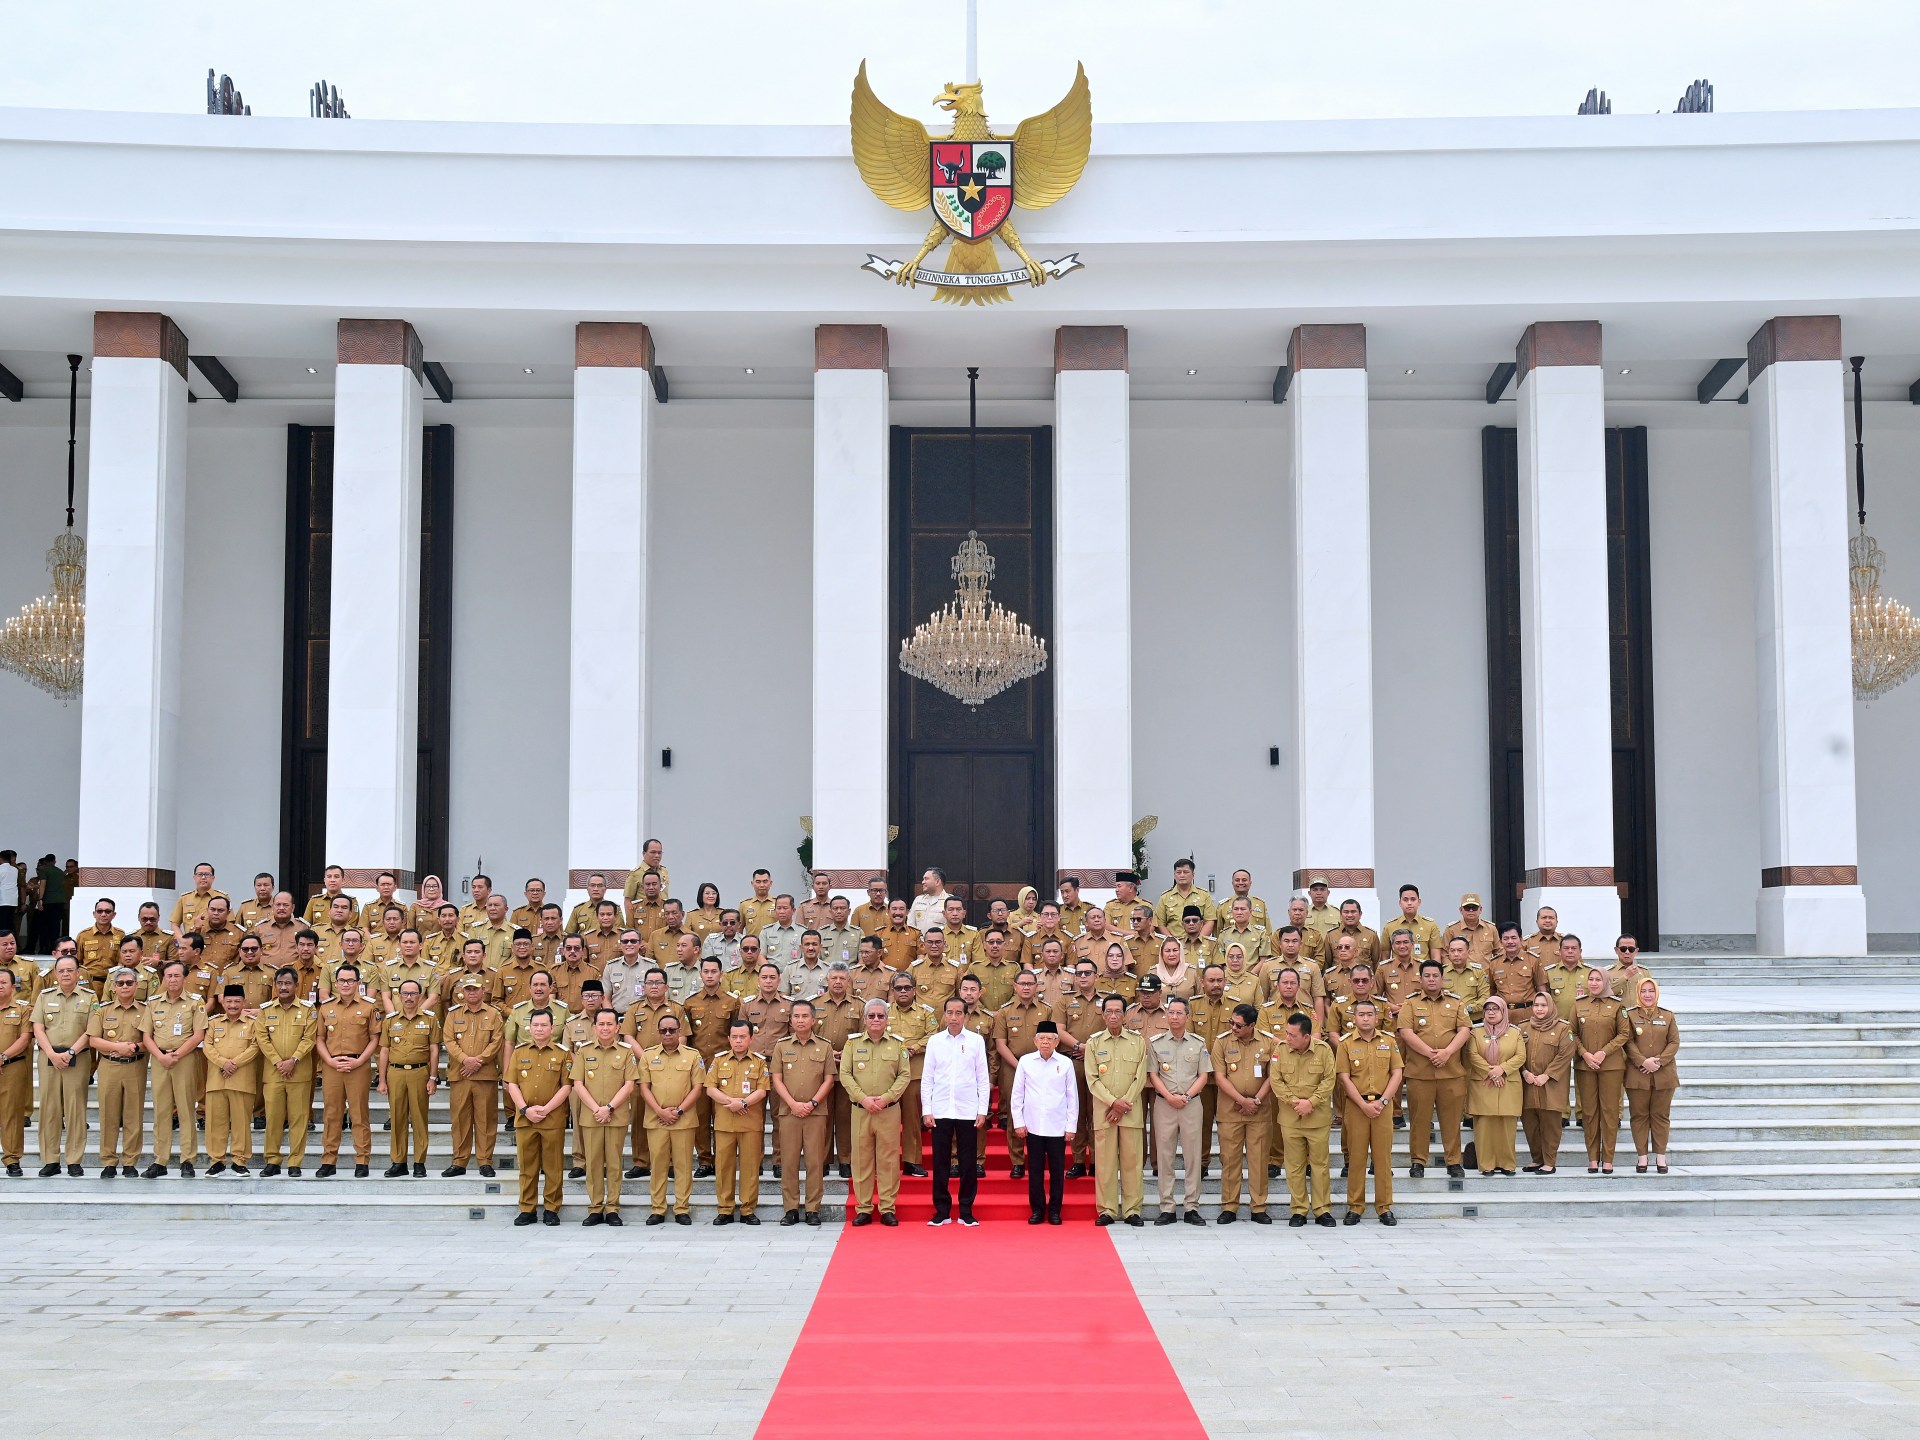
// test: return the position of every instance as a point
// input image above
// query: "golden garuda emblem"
(972, 179)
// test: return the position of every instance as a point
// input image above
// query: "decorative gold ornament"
(973, 647)
(1886, 636)
(972, 179)
(46, 643)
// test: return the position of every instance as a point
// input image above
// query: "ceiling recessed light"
(1193, 372)
(526, 369)
(1409, 369)
(749, 369)
(1626, 369)
(312, 371)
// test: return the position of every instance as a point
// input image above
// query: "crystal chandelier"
(1886, 636)
(45, 644)
(972, 647)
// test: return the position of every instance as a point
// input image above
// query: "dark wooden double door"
(972, 786)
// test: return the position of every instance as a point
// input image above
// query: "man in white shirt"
(953, 1095)
(1046, 1108)
(929, 907)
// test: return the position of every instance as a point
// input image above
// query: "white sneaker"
(936, 1222)
(969, 1222)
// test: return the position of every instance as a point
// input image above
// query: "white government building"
(1456, 501)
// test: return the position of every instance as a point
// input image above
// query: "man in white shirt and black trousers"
(1046, 1108)
(953, 1096)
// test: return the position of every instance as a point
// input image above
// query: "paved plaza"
(1657, 1327)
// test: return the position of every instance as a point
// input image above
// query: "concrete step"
(1769, 1062)
(1852, 1054)
(1787, 1030)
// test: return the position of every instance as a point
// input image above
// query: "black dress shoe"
(526, 1217)
(267, 1172)
(792, 1217)
(394, 1172)
(1387, 1217)
(259, 1122)
(749, 1218)
(1054, 1219)
(887, 1217)
(813, 1217)
(1076, 1172)
(683, 1219)
(1296, 1222)
(486, 1172)
(1456, 1172)
(219, 1167)
(360, 1172)
(846, 1172)
(293, 1172)
(1352, 1217)
(549, 1217)
(325, 1172)
(1274, 1172)
(1019, 1172)
(634, 1172)
(419, 1170)
(75, 1171)
(1166, 1217)
(1194, 1217)
(578, 1172)
(656, 1219)
(1325, 1217)
(596, 1218)
(725, 1217)
(1227, 1217)
(703, 1171)
(1135, 1221)
(108, 1172)
(152, 1172)
(186, 1170)
(1103, 1219)
(1399, 1122)
(859, 1220)
(1343, 1172)
(917, 1171)
(453, 1171)
(612, 1217)
(1416, 1170)
(1034, 1217)
(1260, 1217)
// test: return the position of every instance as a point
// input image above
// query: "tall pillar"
(613, 420)
(373, 664)
(1810, 900)
(136, 538)
(1565, 653)
(1333, 605)
(1092, 652)
(852, 666)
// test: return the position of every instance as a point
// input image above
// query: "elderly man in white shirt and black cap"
(954, 1095)
(1046, 1108)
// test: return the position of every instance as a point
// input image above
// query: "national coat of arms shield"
(972, 183)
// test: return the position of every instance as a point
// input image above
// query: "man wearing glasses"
(116, 1032)
(1480, 937)
(99, 947)
(1626, 972)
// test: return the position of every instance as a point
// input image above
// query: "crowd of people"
(639, 1037)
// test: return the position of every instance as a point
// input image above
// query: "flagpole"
(973, 42)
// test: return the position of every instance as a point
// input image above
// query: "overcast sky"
(765, 61)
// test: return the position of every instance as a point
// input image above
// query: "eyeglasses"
(1628, 949)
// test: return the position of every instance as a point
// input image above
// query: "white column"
(613, 420)
(136, 534)
(1092, 643)
(373, 686)
(1565, 657)
(1810, 900)
(852, 663)
(1333, 600)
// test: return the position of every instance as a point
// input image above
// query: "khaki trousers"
(1650, 1115)
(637, 1133)
(1245, 1141)
(538, 1153)
(804, 1141)
(1543, 1136)
(1016, 1147)
(476, 1120)
(407, 1111)
(16, 1099)
(1493, 1142)
(1082, 1136)
(1302, 1144)
(703, 1123)
(1366, 1139)
(176, 1091)
(606, 1154)
(673, 1147)
(737, 1168)
(289, 1113)
(1209, 1110)
(1449, 1097)
(230, 1126)
(876, 1159)
(1116, 1168)
(910, 1151)
(63, 1110)
(1183, 1130)
(123, 1111)
(840, 1129)
(1599, 1110)
(344, 1094)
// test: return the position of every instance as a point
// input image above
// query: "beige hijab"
(1495, 1029)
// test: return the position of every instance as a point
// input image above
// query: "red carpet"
(919, 1332)
(1000, 1197)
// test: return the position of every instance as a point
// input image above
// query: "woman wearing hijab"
(1026, 912)
(1494, 1054)
(1545, 1073)
(426, 910)
(1653, 1037)
(1177, 977)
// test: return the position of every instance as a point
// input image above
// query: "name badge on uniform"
(1256, 1071)
(179, 1028)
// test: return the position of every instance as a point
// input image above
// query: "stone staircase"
(1800, 1095)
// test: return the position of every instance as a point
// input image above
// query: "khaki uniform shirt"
(346, 1029)
(875, 1069)
(902, 945)
(567, 980)
(276, 942)
(1566, 983)
(16, 1019)
(600, 1071)
(231, 1040)
(1369, 1064)
(520, 1023)
(1323, 918)
(1116, 1069)
(1148, 1021)
(1426, 937)
(1180, 1062)
(1435, 1022)
(539, 1072)
(474, 1034)
(837, 1021)
(1246, 1065)
(1625, 986)
(256, 980)
(996, 982)
(1543, 947)
(1601, 1025)
(803, 1069)
(1014, 1026)
(1167, 912)
(934, 982)
(526, 917)
(801, 981)
(583, 917)
(1126, 984)
(1470, 985)
(1274, 1017)
(1481, 940)
(64, 1017)
(1303, 1075)
(121, 1023)
(516, 979)
(673, 1079)
(708, 1016)
(409, 1040)
(1254, 942)
(98, 953)
(740, 1076)
(780, 944)
(252, 912)
(841, 944)
(873, 982)
(772, 1020)
(870, 919)
(452, 986)
(1078, 1017)
(1515, 981)
(172, 1023)
(319, 906)
(287, 1032)
(1073, 918)
(422, 973)
(641, 1024)
(1366, 943)
(755, 915)
(27, 979)
(912, 1027)
(1120, 915)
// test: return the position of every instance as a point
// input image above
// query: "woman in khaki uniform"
(1494, 1056)
(1653, 1038)
(1545, 1074)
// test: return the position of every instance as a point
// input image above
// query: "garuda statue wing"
(1050, 150)
(891, 150)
